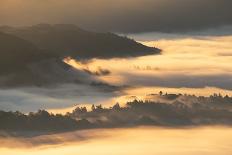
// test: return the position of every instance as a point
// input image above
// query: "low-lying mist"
(144, 140)
(191, 64)
(28, 99)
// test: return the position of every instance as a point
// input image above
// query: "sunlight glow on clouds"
(194, 59)
(192, 65)
(136, 141)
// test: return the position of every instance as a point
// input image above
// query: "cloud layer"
(121, 16)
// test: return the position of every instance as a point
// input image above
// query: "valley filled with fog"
(115, 77)
(189, 64)
(179, 99)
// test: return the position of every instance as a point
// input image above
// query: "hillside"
(22, 63)
(15, 53)
(69, 40)
(33, 55)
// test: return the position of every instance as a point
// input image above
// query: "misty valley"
(125, 77)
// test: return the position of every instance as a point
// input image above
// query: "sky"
(130, 16)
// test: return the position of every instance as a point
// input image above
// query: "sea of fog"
(214, 140)
(189, 64)
(197, 64)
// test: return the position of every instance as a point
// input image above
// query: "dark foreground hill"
(70, 40)
(33, 55)
(15, 53)
(22, 63)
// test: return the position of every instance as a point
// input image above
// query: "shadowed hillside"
(34, 55)
(22, 63)
(69, 40)
(15, 53)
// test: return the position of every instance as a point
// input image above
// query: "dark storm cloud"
(120, 16)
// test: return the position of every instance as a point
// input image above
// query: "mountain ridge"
(69, 40)
(34, 55)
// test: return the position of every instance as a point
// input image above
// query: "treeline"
(39, 121)
(213, 110)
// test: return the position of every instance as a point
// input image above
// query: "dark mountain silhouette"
(22, 63)
(42, 73)
(16, 53)
(70, 40)
(34, 55)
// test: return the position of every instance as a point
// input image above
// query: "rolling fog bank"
(207, 140)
